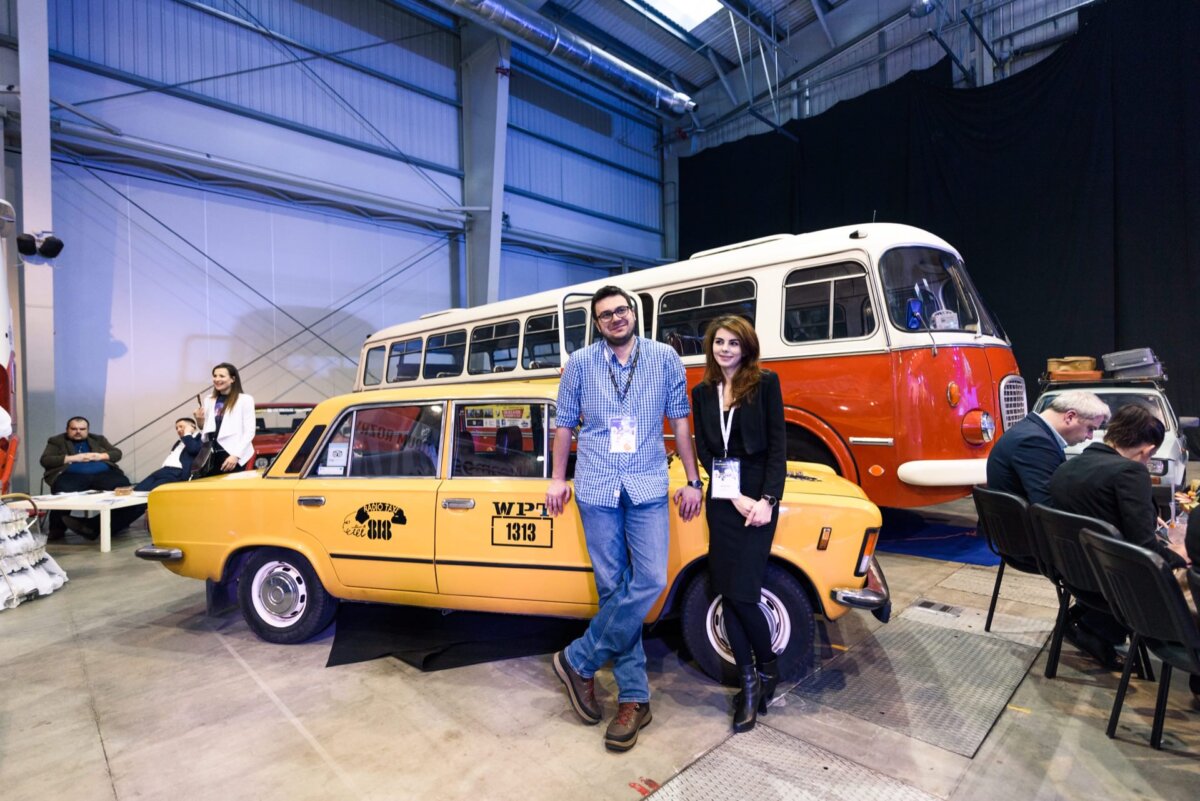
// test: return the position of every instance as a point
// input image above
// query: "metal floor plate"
(1024, 630)
(937, 684)
(767, 764)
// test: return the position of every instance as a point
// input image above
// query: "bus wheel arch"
(810, 439)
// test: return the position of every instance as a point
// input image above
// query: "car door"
(369, 496)
(494, 536)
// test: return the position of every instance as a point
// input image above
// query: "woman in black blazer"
(738, 411)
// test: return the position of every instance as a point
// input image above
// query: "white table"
(102, 502)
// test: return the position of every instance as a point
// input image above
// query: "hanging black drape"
(1072, 189)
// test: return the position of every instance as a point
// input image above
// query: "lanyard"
(726, 427)
(637, 354)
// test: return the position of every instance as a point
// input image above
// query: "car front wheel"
(789, 618)
(281, 597)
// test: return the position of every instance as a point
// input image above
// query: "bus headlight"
(978, 427)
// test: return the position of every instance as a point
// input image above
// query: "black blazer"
(1103, 484)
(1024, 458)
(762, 429)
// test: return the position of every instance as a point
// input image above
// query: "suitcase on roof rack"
(1121, 359)
(1141, 371)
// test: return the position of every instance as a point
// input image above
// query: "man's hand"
(688, 500)
(558, 494)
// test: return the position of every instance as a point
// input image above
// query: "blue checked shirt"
(586, 394)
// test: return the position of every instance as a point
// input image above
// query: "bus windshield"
(929, 289)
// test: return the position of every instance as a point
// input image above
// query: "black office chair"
(1057, 536)
(1004, 521)
(1143, 591)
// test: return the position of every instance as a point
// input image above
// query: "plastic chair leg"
(987, 626)
(1060, 625)
(1160, 709)
(1145, 669)
(1122, 687)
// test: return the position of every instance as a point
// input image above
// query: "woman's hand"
(198, 414)
(229, 464)
(744, 505)
(760, 513)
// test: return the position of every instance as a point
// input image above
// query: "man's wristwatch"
(770, 499)
(696, 484)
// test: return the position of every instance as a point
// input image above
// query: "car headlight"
(262, 462)
(1158, 467)
(978, 427)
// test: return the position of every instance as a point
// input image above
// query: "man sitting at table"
(178, 464)
(77, 461)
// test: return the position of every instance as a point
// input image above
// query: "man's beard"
(616, 342)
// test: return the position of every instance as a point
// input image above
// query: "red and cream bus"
(893, 370)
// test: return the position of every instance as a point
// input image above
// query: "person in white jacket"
(226, 417)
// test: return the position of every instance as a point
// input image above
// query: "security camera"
(44, 244)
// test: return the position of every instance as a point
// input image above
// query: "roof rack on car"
(1045, 382)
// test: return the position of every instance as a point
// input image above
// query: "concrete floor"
(119, 687)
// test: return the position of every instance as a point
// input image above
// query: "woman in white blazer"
(227, 418)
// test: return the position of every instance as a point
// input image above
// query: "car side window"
(397, 441)
(500, 439)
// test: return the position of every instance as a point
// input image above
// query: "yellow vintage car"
(434, 496)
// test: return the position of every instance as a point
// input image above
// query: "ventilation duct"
(546, 37)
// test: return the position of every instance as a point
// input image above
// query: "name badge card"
(727, 478)
(622, 434)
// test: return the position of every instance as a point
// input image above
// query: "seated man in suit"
(76, 461)
(1025, 457)
(1109, 481)
(178, 464)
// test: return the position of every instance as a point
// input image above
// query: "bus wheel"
(805, 446)
(789, 617)
(281, 597)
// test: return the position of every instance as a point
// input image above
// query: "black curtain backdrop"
(1072, 189)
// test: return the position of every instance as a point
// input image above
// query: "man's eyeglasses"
(607, 316)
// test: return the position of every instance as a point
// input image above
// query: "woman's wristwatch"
(770, 499)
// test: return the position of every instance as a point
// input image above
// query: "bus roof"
(871, 237)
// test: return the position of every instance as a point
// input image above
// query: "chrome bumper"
(874, 596)
(154, 554)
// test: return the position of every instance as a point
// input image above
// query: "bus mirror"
(916, 315)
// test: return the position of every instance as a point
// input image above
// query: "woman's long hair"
(235, 388)
(745, 380)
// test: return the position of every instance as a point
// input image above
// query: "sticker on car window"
(522, 524)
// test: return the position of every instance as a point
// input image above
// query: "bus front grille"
(1013, 406)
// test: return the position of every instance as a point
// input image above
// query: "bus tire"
(805, 446)
(281, 597)
(789, 615)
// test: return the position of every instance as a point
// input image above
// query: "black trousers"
(110, 479)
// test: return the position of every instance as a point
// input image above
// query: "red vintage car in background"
(274, 424)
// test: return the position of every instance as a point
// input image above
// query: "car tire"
(789, 615)
(281, 597)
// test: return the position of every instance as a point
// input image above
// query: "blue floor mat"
(906, 531)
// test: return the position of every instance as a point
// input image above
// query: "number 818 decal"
(522, 524)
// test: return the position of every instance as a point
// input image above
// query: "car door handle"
(311, 500)
(458, 503)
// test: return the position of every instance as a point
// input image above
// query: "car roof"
(546, 388)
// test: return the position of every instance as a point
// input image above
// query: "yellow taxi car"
(434, 496)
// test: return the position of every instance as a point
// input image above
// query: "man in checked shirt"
(618, 390)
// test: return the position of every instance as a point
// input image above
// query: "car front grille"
(1013, 406)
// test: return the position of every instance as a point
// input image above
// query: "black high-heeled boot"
(745, 703)
(768, 678)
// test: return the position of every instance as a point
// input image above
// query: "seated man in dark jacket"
(1109, 481)
(178, 464)
(76, 461)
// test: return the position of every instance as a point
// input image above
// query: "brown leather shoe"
(623, 730)
(581, 691)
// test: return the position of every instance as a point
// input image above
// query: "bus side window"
(683, 316)
(444, 354)
(494, 347)
(541, 338)
(404, 360)
(815, 302)
(373, 367)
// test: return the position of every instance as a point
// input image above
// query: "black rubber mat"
(429, 639)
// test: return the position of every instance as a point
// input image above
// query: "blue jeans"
(628, 548)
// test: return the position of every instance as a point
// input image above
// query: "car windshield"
(929, 289)
(1115, 400)
(279, 420)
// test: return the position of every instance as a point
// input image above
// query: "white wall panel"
(571, 227)
(523, 273)
(142, 316)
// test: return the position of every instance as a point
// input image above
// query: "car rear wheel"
(789, 616)
(281, 597)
